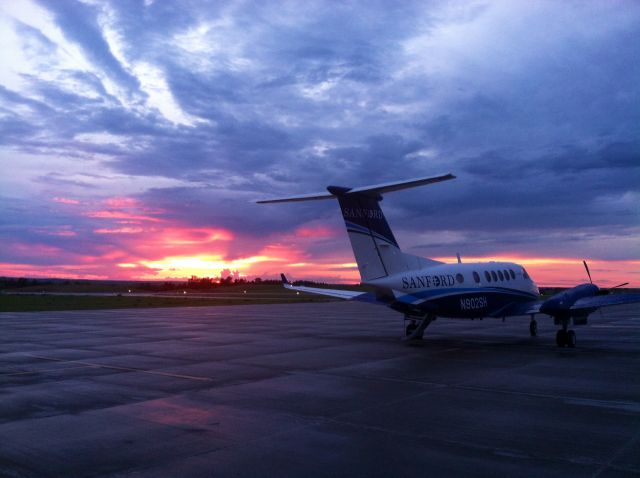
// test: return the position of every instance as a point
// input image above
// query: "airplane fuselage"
(424, 289)
(462, 290)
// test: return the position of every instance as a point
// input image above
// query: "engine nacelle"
(559, 306)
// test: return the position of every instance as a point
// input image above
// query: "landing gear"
(571, 339)
(565, 337)
(533, 327)
(416, 326)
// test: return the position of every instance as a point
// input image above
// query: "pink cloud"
(314, 232)
(120, 230)
(62, 200)
(121, 215)
(121, 202)
(62, 231)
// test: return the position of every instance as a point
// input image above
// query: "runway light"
(184, 291)
(129, 291)
(297, 293)
(244, 291)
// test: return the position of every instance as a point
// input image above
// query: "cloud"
(178, 116)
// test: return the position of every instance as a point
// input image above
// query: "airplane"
(424, 289)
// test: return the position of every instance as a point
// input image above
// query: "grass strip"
(44, 302)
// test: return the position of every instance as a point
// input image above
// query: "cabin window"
(513, 274)
(476, 277)
(524, 273)
(487, 276)
(506, 274)
(460, 278)
(494, 275)
(501, 275)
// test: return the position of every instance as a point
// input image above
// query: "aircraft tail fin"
(375, 248)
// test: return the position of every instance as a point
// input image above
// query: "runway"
(324, 389)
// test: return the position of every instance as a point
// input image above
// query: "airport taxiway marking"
(122, 369)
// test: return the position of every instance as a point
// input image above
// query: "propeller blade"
(619, 285)
(588, 273)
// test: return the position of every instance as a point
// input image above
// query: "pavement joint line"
(125, 369)
(33, 372)
(615, 327)
(475, 446)
(475, 388)
(623, 449)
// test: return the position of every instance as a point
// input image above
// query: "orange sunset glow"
(125, 239)
(128, 240)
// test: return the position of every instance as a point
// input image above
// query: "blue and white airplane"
(424, 289)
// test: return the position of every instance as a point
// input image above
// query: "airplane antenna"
(458, 256)
(587, 268)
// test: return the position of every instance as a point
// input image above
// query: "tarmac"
(306, 390)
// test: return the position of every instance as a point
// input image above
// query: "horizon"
(137, 136)
(533, 266)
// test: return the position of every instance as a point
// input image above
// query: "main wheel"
(570, 338)
(533, 328)
(561, 338)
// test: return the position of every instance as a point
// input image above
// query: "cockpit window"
(524, 273)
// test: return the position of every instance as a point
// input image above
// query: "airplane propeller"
(619, 285)
(601, 291)
(587, 269)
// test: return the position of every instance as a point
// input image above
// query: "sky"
(136, 136)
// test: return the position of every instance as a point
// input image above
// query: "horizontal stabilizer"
(374, 190)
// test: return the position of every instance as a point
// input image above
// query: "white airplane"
(424, 289)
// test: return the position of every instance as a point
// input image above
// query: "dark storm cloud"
(28, 226)
(201, 95)
(230, 209)
(493, 191)
(533, 107)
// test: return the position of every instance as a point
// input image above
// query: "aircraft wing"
(586, 303)
(339, 293)
(605, 301)
(518, 308)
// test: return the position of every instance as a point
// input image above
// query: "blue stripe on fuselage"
(447, 302)
(434, 294)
